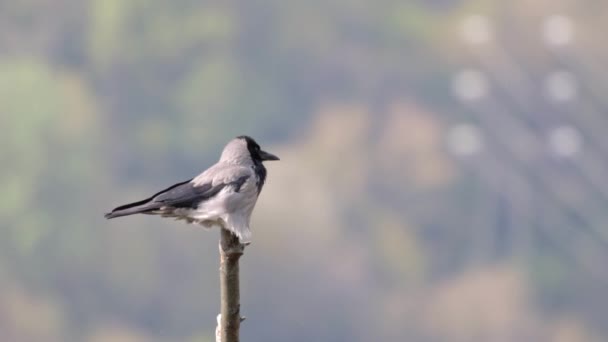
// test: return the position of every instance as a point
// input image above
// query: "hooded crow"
(224, 195)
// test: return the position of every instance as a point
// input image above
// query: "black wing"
(186, 195)
(180, 195)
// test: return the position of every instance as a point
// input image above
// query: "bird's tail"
(141, 207)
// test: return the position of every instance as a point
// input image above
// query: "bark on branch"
(230, 318)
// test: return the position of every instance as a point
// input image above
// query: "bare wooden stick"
(230, 318)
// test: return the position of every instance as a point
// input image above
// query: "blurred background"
(442, 175)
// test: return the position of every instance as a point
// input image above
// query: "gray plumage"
(223, 195)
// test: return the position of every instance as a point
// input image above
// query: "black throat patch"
(258, 166)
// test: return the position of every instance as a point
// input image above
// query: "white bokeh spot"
(558, 30)
(464, 140)
(470, 85)
(561, 86)
(565, 141)
(476, 29)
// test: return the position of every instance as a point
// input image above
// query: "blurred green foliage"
(104, 101)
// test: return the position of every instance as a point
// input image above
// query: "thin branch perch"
(230, 318)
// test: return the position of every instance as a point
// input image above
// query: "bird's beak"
(268, 156)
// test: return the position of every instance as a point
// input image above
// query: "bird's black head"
(256, 152)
